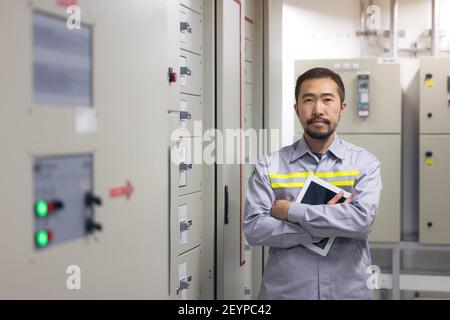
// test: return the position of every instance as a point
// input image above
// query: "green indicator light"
(42, 238)
(41, 208)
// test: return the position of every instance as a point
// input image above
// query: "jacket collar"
(301, 147)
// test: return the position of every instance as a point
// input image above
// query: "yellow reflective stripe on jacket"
(317, 174)
(301, 184)
(287, 184)
(343, 183)
(297, 184)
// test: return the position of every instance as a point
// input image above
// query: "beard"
(320, 135)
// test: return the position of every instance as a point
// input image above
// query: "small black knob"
(430, 224)
(58, 204)
(428, 154)
(429, 115)
(92, 200)
(92, 226)
(428, 76)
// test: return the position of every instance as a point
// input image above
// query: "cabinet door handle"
(226, 205)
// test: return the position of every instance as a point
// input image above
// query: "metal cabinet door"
(189, 275)
(191, 31)
(191, 73)
(386, 148)
(434, 95)
(434, 214)
(189, 234)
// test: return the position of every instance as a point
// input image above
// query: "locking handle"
(185, 71)
(185, 225)
(185, 166)
(185, 26)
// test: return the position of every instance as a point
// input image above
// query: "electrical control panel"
(373, 94)
(62, 186)
(363, 100)
(83, 132)
(64, 203)
(433, 157)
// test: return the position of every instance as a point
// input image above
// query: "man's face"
(319, 107)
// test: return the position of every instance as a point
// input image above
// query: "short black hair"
(320, 73)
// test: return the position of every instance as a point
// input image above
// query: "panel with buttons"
(63, 200)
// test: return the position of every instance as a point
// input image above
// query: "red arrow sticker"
(126, 191)
(67, 3)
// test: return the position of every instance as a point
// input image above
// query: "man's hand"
(337, 197)
(280, 209)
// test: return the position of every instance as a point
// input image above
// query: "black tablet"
(317, 191)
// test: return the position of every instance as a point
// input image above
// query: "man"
(274, 219)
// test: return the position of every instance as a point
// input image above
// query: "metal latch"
(448, 89)
(184, 26)
(185, 225)
(185, 166)
(184, 115)
(184, 284)
(185, 71)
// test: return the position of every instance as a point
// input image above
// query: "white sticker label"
(85, 121)
(363, 113)
(182, 154)
(387, 60)
(182, 179)
(183, 105)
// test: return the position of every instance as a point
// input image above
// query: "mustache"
(318, 119)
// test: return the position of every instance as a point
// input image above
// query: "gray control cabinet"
(55, 147)
(434, 218)
(187, 197)
(434, 155)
